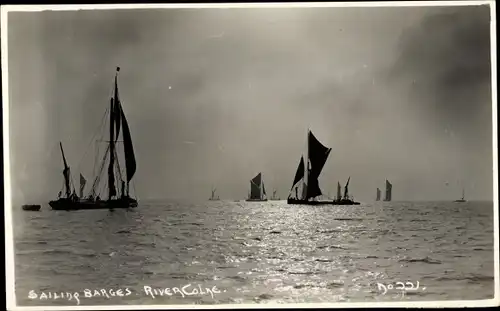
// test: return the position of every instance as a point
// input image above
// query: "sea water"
(228, 252)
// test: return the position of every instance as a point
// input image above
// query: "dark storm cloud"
(447, 55)
(444, 64)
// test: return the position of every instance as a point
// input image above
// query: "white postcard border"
(9, 247)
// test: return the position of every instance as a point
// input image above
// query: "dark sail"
(111, 174)
(346, 190)
(299, 174)
(378, 194)
(128, 147)
(66, 172)
(318, 154)
(388, 191)
(255, 187)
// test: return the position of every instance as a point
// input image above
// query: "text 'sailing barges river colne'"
(258, 252)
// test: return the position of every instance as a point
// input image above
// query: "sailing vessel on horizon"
(462, 200)
(213, 197)
(257, 190)
(378, 195)
(317, 154)
(274, 197)
(388, 191)
(116, 199)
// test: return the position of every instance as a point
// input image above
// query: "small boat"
(213, 197)
(309, 178)
(378, 195)
(462, 200)
(257, 190)
(274, 197)
(388, 191)
(32, 207)
(116, 198)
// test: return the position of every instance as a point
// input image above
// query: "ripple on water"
(240, 247)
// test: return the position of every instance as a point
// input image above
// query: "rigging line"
(98, 177)
(62, 188)
(98, 148)
(93, 136)
(103, 187)
(112, 91)
(70, 180)
(133, 186)
(96, 152)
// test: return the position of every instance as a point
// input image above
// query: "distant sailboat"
(347, 198)
(257, 190)
(317, 156)
(116, 199)
(274, 197)
(462, 200)
(388, 191)
(378, 194)
(213, 197)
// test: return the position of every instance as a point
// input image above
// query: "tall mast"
(346, 189)
(113, 106)
(306, 174)
(66, 173)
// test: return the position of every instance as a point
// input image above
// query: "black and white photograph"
(250, 155)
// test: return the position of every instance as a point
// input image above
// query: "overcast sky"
(214, 96)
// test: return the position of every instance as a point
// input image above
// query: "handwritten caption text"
(152, 292)
(401, 287)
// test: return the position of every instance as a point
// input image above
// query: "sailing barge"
(214, 197)
(317, 156)
(257, 190)
(388, 191)
(462, 200)
(275, 197)
(378, 194)
(115, 199)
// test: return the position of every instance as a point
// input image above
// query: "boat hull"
(33, 208)
(70, 205)
(256, 200)
(334, 202)
(460, 201)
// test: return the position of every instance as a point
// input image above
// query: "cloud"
(348, 74)
(446, 65)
